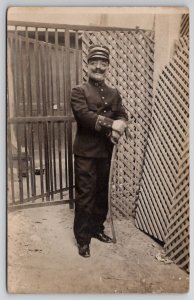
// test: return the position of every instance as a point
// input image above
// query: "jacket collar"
(96, 83)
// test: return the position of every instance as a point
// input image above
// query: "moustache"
(99, 71)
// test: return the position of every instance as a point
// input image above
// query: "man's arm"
(120, 123)
(120, 113)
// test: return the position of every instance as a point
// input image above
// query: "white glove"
(119, 126)
(115, 136)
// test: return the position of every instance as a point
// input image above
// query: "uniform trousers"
(91, 196)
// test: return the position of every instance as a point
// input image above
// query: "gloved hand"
(115, 136)
(119, 126)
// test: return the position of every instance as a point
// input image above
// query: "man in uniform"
(101, 120)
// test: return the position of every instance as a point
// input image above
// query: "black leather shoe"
(84, 250)
(102, 237)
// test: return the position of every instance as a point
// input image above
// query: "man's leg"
(85, 189)
(100, 208)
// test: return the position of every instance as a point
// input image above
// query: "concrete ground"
(43, 258)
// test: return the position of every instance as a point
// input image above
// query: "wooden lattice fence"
(184, 30)
(131, 72)
(177, 238)
(163, 199)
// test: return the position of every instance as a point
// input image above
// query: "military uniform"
(95, 107)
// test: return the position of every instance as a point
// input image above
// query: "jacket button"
(102, 97)
(104, 111)
(102, 90)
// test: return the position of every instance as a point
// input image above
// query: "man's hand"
(119, 126)
(115, 136)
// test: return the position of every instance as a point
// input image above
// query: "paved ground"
(43, 258)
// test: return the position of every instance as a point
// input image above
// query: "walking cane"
(110, 187)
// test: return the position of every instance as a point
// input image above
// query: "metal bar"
(38, 93)
(72, 27)
(40, 119)
(68, 73)
(54, 155)
(57, 70)
(47, 102)
(17, 95)
(45, 125)
(49, 80)
(24, 112)
(20, 179)
(46, 82)
(27, 99)
(52, 124)
(60, 160)
(31, 147)
(40, 146)
(10, 159)
(65, 147)
(34, 205)
(51, 83)
(69, 124)
(49, 109)
(51, 162)
(65, 112)
(47, 179)
(12, 47)
(37, 79)
(9, 137)
(28, 73)
(29, 112)
(58, 110)
(64, 69)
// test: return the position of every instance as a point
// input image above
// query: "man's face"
(97, 69)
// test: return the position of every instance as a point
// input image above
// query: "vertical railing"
(41, 120)
(17, 110)
(30, 113)
(69, 125)
(39, 126)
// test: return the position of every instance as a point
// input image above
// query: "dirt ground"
(43, 258)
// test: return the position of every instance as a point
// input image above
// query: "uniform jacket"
(95, 107)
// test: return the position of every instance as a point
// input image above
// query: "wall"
(116, 17)
(167, 28)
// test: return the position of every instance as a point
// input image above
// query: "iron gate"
(44, 61)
